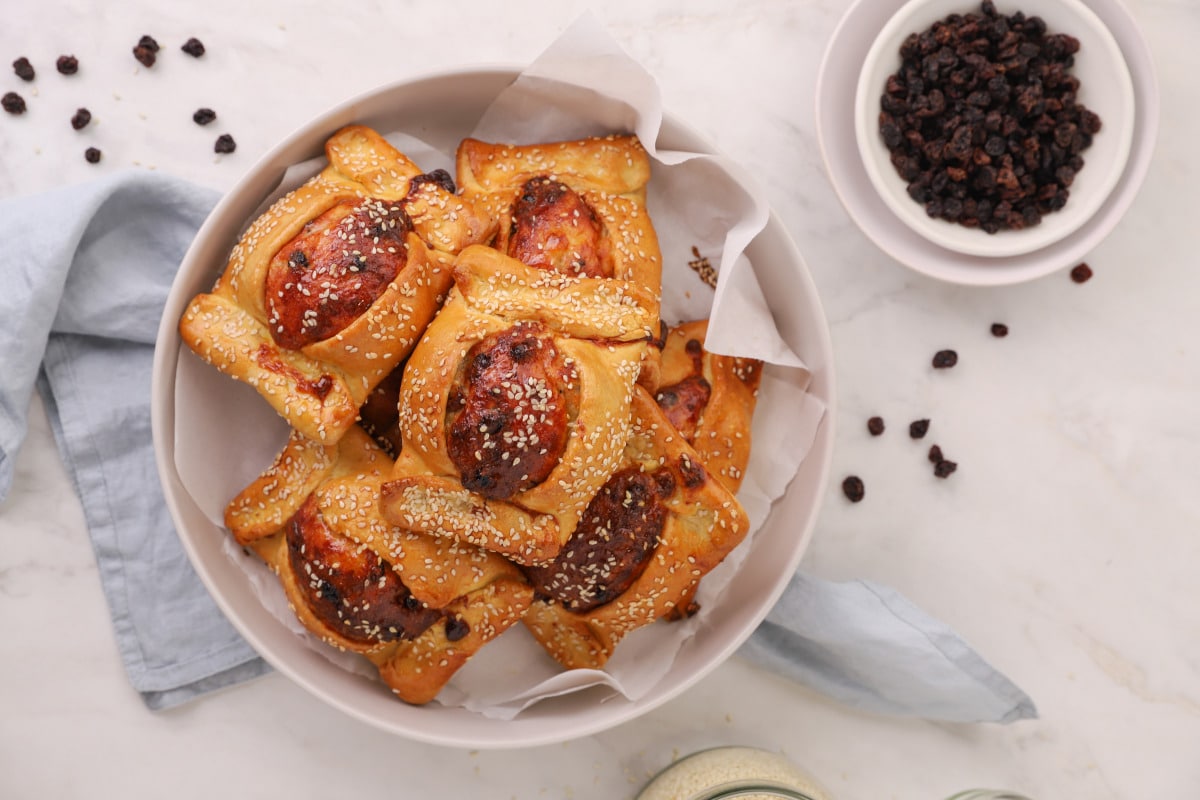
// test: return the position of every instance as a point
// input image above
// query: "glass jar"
(725, 773)
(748, 773)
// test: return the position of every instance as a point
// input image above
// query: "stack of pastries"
(490, 422)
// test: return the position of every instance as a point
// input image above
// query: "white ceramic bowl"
(441, 109)
(1105, 87)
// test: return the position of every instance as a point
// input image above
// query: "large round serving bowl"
(441, 109)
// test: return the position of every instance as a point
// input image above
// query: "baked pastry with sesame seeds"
(576, 208)
(710, 400)
(508, 425)
(329, 290)
(659, 524)
(416, 606)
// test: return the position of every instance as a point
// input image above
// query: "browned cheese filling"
(612, 545)
(554, 228)
(330, 273)
(268, 358)
(508, 414)
(684, 402)
(348, 587)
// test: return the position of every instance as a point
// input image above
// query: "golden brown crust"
(703, 523)
(710, 400)
(416, 606)
(316, 364)
(582, 307)
(442, 507)
(416, 672)
(506, 420)
(507, 456)
(265, 506)
(526, 432)
(554, 228)
(615, 165)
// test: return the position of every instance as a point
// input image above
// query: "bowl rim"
(511, 734)
(975, 242)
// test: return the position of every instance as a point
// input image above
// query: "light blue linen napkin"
(86, 271)
(866, 645)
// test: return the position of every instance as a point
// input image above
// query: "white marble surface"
(1065, 548)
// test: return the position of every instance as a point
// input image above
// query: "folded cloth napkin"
(87, 271)
(867, 646)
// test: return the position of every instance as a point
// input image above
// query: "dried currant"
(146, 56)
(944, 468)
(944, 359)
(24, 69)
(456, 628)
(193, 47)
(13, 103)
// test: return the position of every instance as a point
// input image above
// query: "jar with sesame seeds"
(749, 773)
(725, 773)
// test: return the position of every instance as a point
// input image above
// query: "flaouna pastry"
(416, 606)
(659, 524)
(515, 406)
(509, 425)
(328, 291)
(710, 400)
(576, 209)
